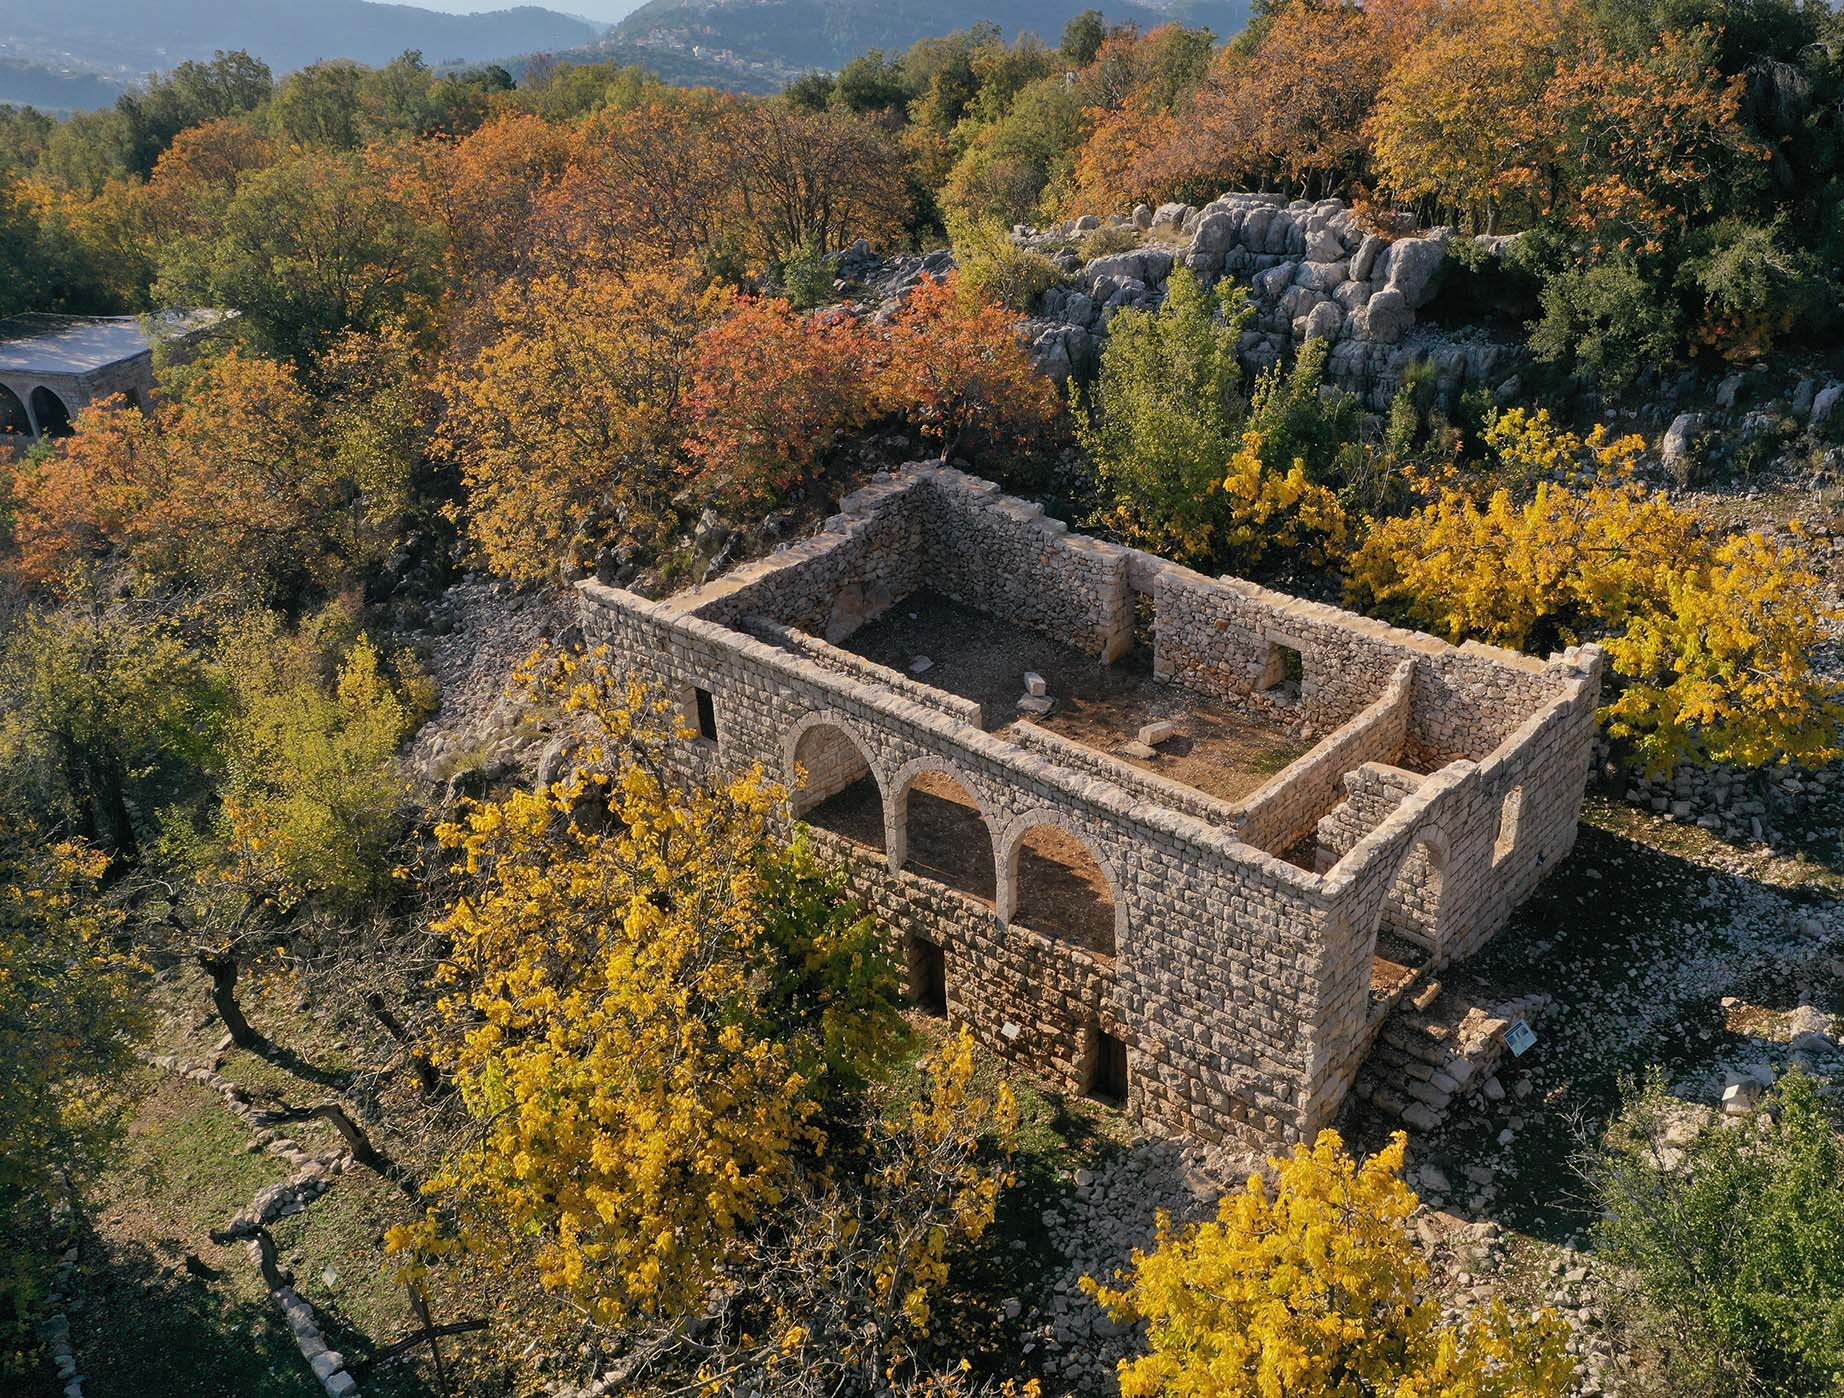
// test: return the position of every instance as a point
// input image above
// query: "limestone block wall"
(1239, 983)
(1451, 859)
(865, 558)
(1007, 557)
(1287, 807)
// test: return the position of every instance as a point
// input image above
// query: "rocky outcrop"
(1312, 273)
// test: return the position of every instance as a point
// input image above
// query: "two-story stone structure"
(1196, 861)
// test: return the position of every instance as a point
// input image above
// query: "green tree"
(1165, 415)
(1734, 1241)
(103, 706)
(318, 243)
(230, 84)
(1082, 38)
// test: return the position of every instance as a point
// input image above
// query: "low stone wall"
(1289, 806)
(1239, 984)
(1135, 781)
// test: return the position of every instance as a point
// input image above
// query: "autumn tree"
(1458, 122)
(71, 1014)
(567, 426)
(1711, 638)
(651, 1004)
(658, 181)
(227, 485)
(484, 189)
(815, 179)
(1315, 1284)
(772, 393)
(952, 364)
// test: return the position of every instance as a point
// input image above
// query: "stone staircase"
(1436, 1048)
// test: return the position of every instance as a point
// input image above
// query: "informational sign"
(1519, 1037)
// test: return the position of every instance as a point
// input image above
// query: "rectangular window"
(707, 714)
(1107, 1075)
(928, 976)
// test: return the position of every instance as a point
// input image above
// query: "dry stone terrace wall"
(1239, 984)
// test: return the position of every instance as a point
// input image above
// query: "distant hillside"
(124, 39)
(761, 44)
(27, 84)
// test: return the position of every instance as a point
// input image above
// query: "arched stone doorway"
(53, 417)
(945, 836)
(13, 419)
(832, 785)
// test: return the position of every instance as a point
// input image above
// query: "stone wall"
(1289, 807)
(1239, 983)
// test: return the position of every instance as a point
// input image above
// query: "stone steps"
(1438, 1048)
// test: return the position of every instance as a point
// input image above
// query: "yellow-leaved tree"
(566, 426)
(1711, 638)
(1314, 1286)
(651, 1002)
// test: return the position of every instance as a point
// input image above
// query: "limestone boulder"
(1387, 317)
(1364, 260)
(1413, 268)
(1216, 232)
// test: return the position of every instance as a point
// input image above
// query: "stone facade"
(1447, 781)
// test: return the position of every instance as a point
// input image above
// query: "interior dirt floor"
(1222, 753)
(1061, 890)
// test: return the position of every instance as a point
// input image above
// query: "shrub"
(1736, 1251)
(1712, 639)
(1607, 320)
(1110, 238)
(807, 277)
(995, 268)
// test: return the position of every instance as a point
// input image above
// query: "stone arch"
(940, 829)
(1510, 815)
(843, 791)
(13, 418)
(49, 410)
(1056, 880)
(1413, 907)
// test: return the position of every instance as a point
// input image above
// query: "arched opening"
(1508, 816)
(834, 788)
(53, 417)
(13, 419)
(945, 837)
(1061, 890)
(1412, 911)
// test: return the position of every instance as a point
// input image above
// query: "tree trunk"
(223, 969)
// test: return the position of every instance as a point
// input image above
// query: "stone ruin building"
(52, 367)
(1178, 841)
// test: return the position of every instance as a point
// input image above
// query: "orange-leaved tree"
(952, 364)
(773, 390)
(227, 485)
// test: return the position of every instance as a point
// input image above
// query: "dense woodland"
(638, 1077)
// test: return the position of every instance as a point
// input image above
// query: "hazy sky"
(605, 11)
